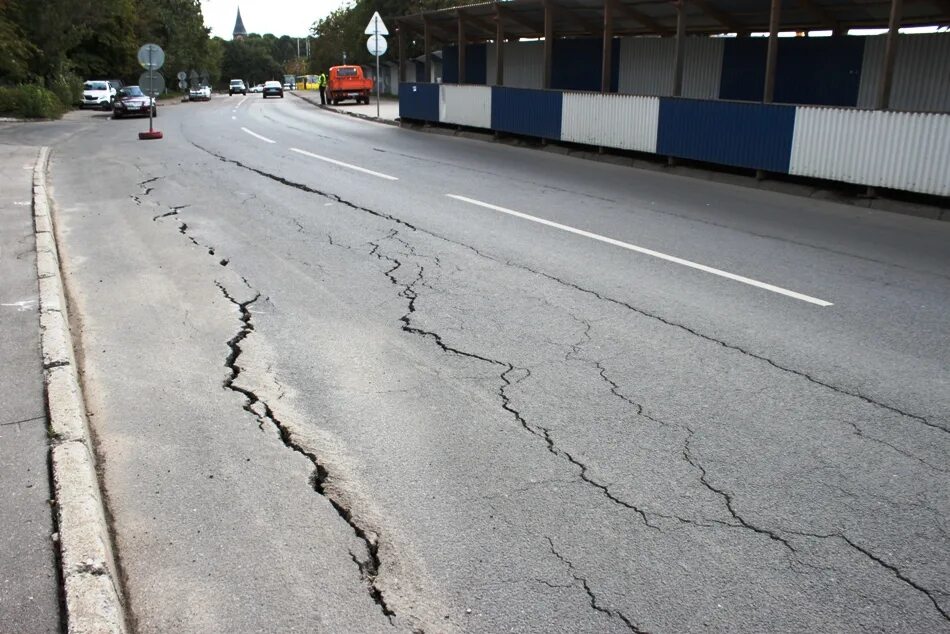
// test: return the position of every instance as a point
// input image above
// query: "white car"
(202, 93)
(98, 93)
(257, 88)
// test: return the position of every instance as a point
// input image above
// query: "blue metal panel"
(476, 64)
(524, 111)
(756, 136)
(576, 64)
(743, 69)
(419, 101)
(809, 70)
(819, 70)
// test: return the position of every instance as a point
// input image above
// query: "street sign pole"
(151, 57)
(376, 36)
(150, 91)
(376, 44)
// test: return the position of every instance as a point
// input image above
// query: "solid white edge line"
(256, 135)
(650, 252)
(342, 164)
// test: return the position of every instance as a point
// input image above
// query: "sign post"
(151, 57)
(376, 44)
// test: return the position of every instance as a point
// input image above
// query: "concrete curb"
(90, 576)
(357, 115)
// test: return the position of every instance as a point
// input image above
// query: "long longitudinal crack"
(259, 408)
(640, 311)
(595, 603)
(409, 293)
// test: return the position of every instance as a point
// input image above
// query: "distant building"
(239, 31)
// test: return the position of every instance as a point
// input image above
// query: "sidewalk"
(29, 580)
(388, 106)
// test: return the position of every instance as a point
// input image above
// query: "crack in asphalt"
(897, 572)
(640, 311)
(799, 373)
(408, 292)
(591, 597)
(368, 567)
(173, 211)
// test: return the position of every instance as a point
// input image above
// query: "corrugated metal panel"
(419, 101)
(465, 105)
(921, 73)
(620, 121)
(475, 64)
(529, 112)
(646, 66)
(524, 64)
(702, 67)
(756, 136)
(898, 150)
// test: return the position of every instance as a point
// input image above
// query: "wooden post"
(772, 54)
(401, 34)
(548, 43)
(607, 63)
(427, 46)
(890, 52)
(499, 49)
(461, 56)
(678, 51)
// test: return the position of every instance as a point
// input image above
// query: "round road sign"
(182, 75)
(151, 56)
(376, 45)
(152, 83)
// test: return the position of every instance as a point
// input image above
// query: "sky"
(280, 17)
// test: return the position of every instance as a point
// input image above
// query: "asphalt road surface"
(350, 377)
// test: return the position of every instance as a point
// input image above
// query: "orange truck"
(348, 82)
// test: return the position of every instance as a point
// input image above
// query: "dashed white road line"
(256, 135)
(342, 164)
(233, 118)
(656, 254)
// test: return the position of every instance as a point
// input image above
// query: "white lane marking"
(650, 252)
(342, 164)
(255, 134)
(233, 118)
(241, 103)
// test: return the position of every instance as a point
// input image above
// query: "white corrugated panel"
(619, 121)
(897, 150)
(921, 80)
(646, 66)
(465, 105)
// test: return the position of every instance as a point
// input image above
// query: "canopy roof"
(577, 18)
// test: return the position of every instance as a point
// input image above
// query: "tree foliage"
(44, 42)
(342, 31)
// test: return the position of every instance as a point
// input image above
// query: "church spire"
(239, 31)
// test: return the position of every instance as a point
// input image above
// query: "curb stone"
(90, 576)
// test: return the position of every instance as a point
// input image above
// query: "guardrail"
(896, 150)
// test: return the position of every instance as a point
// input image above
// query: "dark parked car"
(131, 101)
(273, 89)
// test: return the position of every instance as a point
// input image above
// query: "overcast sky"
(280, 17)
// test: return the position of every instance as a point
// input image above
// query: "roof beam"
(481, 25)
(824, 17)
(587, 24)
(720, 16)
(635, 14)
(509, 15)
